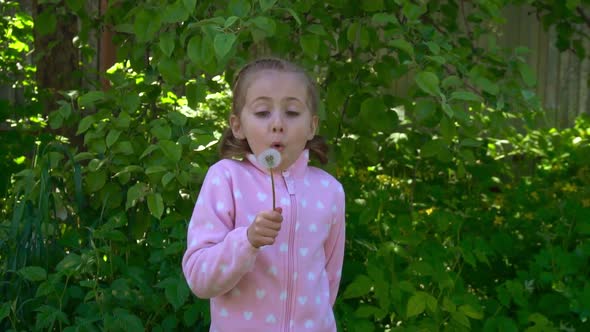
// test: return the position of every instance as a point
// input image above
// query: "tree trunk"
(107, 48)
(56, 57)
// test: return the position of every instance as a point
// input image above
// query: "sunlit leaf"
(223, 43)
(155, 205)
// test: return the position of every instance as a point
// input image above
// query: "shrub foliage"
(460, 214)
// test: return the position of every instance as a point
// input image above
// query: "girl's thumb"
(279, 209)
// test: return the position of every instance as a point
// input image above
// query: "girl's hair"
(233, 147)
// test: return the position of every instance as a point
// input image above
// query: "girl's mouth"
(278, 146)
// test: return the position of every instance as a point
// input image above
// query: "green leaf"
(90, 98)
(177, 118)
(372, 5)
(357, 35)
(47, 316)
(527, 74)
(177, 293)
(167, 43)
(175, 12)
(149, 150)
(470, 142)
(384, 19)
(4, 310)
(223, 43)
(146, 24)
(310, 44)
(428, 82)
(432, 148)
(195, 93)
(416, 305)
(134, 193)
(412, 11)
(161, 131)
(123, 121)
(460, 318)
(267, 4)
(425, 109)
(451, 82)
(172, 150)
(359, 287)
(170, 70)
(294, 15)
(267, 25)
(403, 45)
(167, 178)
(317, 29)
(95, 180)
(69, 264)
(129, 169)
(193, 49)
(240, 8)
(83, 156)
(190, 5)
(123, 147)
(487, 85)
(45, 23)
(448, 109)
(230, 21)
(465, 95)
(33, 273)
(155, 204)
(471, 312)
(365, 311)
(155, 169)
(112, 137)
(448, 305)
(127, 321)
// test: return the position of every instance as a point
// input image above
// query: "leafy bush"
(456, 220)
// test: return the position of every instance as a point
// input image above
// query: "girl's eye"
(292, 113)
(261, 114)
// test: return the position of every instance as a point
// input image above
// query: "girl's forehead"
(270, 81)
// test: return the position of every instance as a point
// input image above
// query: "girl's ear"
(313, 127)
(236, 127)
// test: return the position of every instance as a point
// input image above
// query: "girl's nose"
(277, 124)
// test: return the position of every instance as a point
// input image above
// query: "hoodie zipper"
(291, 263)
(290, 257)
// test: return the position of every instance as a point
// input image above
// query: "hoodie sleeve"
(334, 246)
(217, 254)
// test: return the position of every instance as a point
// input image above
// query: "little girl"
(265, 269)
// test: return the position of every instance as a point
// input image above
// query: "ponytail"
(318, 149)
(230, 146)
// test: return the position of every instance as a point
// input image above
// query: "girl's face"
(276, 115)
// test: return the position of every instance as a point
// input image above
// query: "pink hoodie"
(288, 286)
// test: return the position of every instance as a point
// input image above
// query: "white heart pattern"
(260, 293)
(303, 251)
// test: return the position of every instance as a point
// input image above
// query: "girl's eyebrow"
(288, 99)
(263, 98)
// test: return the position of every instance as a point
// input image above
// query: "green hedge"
(460, 215)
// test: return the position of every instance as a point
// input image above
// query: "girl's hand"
(265, 228)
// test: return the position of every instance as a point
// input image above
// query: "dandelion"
(270, 159)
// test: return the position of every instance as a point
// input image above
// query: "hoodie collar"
(297, 169)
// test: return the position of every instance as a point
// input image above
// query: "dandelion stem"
(272, 181)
